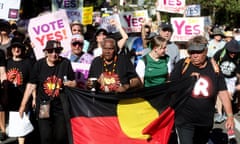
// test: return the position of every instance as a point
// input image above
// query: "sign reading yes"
(172, 6)
(186, 28)
(132, 21)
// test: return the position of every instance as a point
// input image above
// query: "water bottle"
(231, 136)
(65, 78)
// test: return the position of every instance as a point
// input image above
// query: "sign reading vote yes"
(186, 28)
(50, 26)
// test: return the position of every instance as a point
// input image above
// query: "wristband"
(230, 115)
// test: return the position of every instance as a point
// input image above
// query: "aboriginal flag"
(142, 116)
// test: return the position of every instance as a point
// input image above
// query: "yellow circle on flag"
(134, 115)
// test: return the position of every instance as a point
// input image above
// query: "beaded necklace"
(114, 66)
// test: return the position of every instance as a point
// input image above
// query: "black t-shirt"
(18, 73)
(46, 77)
(2, 59)
(124, 68)
(199, 108)
(229, 66)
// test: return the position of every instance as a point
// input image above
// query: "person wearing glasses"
(80, 60)
(194, 119)
(49, 76)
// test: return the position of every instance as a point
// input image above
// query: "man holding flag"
(195, 118)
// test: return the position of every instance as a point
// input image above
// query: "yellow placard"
(87, 15)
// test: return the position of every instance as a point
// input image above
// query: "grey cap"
(197, 47)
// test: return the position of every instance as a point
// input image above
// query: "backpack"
(187, 61)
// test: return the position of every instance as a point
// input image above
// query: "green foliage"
(221, 11)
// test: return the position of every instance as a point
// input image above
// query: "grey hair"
(107, 39)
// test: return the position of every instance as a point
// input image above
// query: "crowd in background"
(135, 60)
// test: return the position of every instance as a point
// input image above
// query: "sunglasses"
(195, 52)
(57, 51)
(77, 43)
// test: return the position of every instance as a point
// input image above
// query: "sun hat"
(53, 44)
(228, 34)
(217, 31)
(17, 42)
(77, 38)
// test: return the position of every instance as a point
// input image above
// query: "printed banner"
(9, 9)
(132, 21)
(186, 28)
(50, 26)
(73, 8)
(171, 6)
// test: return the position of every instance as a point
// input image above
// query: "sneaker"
(219, 119)
(3, 136)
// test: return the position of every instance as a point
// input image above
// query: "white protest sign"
(105, 23)
(186, 28)
(171, 6)
(50, 26)
(9, 9)
(193, 10)
(73, 8)
(132, 21)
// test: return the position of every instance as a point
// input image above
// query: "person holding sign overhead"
(95, 46)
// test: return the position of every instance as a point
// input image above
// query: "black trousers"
(190, 134)
(53, 130)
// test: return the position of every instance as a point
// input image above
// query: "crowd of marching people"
(118, 66)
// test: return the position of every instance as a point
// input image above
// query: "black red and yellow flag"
(142, 116)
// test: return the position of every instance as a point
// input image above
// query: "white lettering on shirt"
(201, 88)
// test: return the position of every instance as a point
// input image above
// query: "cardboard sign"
(171, 6)
(105, 23)
(9, 9)
(51, 26)
(193, 10)
(186, 28)
(87, 15)
(132, 21)
(73, 8)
